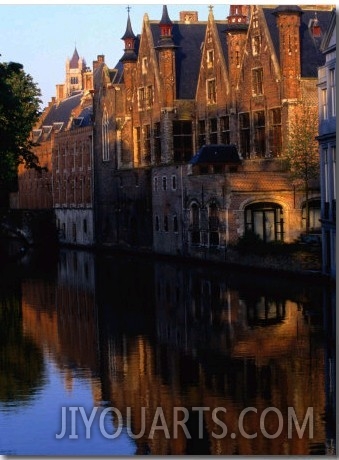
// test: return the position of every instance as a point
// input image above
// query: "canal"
(124, 355)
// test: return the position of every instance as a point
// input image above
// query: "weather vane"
(210, 7)
(128, 8)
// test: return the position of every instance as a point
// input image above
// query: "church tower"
(75, 68)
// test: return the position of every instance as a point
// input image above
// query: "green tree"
(19, 111)
(301, 151)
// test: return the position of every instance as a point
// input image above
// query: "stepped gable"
(311, 56)
(188, 39)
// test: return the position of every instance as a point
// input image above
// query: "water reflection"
(147, 335)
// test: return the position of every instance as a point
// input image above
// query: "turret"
(166, 48)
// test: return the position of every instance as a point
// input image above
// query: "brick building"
(64, 139)
(183, 84)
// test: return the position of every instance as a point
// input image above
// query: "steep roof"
(188, 39)
(73, 64)
(311, 56)
(61, 112)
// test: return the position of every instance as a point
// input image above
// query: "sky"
(42, 36)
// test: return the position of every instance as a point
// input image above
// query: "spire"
(129, 39)
(165, 26)
(74, 62)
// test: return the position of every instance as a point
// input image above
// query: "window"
(174, 182)
(313, 215)
(259, 133)
(194, 224)
(157, 143)
(149, 96)
(256, 45)
(275, 132)
(155, 184)
(324, 110)
(257, 82)
(157, 226)
(213, 225)
(225, 129)
(164, 183)
(165, 223)
(182, 140)
(201, 133)
(105, 138)
(175, 224)
(141, 98)
(84, 225)
(244, 123)
(211, 91)
(144, 65)
(210, 58)
(213, 131)
(147, 143)
(333, 92)
(138, 144)
(265, 220)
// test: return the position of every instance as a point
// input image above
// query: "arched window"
(105, 138)
(195, 224)
(213, 224)
(266, 220)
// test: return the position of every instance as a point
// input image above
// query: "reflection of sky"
(31, 429)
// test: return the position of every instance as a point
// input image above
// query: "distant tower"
(75, 67)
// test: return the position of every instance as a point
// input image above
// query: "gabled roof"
(188, 39)
(311, 56)
(217, 154)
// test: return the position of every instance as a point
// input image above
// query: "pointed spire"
(166, 26)
(165, 19)
(74, 62)
(129, 34)
(129, 39)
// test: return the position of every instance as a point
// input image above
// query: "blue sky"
(43, 36)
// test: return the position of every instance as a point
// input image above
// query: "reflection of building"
(61, 316)
(217, 346)
(327, 147)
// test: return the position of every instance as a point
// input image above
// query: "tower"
(75, 67)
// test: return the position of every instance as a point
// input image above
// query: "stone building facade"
(184, 84)
(125, 144)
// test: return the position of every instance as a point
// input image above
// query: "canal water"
(124, 355)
